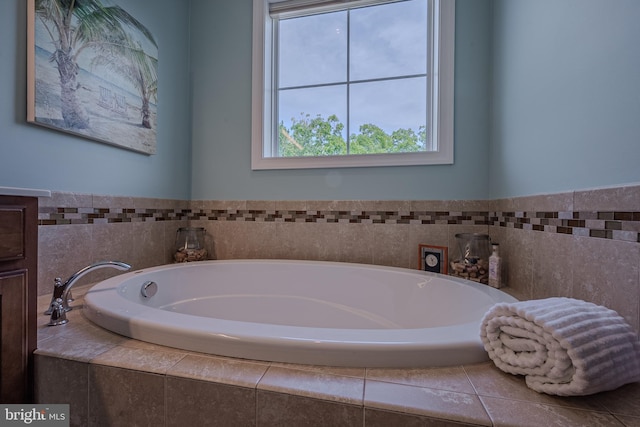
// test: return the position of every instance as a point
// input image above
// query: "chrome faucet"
(60, 298)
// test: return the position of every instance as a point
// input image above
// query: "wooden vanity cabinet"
(18, 296)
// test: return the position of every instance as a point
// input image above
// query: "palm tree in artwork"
(76, 25)
(125, 56)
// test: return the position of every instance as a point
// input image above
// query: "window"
(344, 83)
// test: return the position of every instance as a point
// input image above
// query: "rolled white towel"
(562, 346)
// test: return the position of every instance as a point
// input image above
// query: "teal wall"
(221, 132)
(36, 157)
(566, 95)
(547, 99)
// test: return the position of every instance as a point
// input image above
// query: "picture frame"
(434, 259)
(94, 76)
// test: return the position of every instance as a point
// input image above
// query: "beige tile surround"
(603, 271)
(539, 264)
(110, 380)
(106, 377)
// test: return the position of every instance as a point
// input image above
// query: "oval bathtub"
(308, 312)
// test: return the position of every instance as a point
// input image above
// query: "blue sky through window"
(381, 50)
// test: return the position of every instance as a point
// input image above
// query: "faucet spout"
(59, 300)
(78, 274)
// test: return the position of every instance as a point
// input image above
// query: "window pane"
(312, 121)
(389, 40)
(395, 108)
(313, 50)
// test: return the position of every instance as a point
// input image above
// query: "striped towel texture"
(562, 346)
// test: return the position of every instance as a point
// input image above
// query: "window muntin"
(353, 75)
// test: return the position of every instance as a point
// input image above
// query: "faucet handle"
(58, 313)
(57, 293)
(57, 283)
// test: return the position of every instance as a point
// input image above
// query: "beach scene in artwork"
(114, 96)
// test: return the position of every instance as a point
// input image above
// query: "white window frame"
(441, 89)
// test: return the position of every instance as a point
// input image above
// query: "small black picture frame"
(433, 258)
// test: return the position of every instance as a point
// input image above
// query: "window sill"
(364, 160)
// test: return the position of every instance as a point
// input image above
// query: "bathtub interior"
(311, 294)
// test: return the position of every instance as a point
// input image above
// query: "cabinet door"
(11, 233)
(18, 290)
(13, 332)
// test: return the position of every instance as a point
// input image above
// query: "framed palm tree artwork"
(92, 71)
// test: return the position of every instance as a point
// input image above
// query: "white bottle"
(495, 268)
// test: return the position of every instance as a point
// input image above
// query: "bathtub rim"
(374, 348)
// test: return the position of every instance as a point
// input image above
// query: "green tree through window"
(316, 136)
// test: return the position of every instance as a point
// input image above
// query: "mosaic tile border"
(615, 225)
(61, 216)
(67, 216)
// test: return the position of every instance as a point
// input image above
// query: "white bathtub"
(307, 312)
